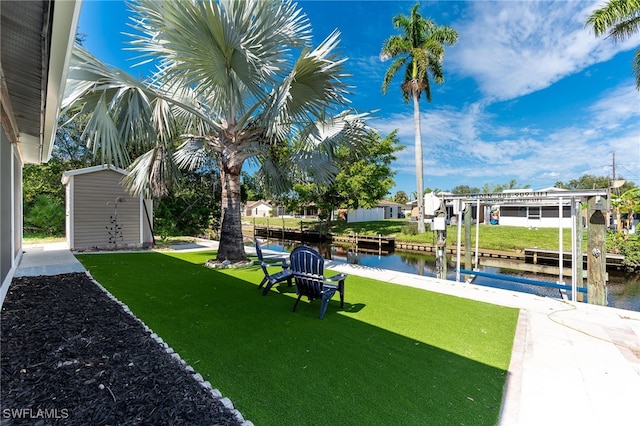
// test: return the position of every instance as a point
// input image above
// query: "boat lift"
(561, 198)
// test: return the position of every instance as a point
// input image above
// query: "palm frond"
(626, 29)
(228, 52)
(103, 137)
(317, 143)
(392, 71)
(88, 78)
(274, 177)
(153, 173)
(132, 109)
(315, 84)
(619, 17)
(192, 154)
(394, 46)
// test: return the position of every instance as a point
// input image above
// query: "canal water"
(623, 289)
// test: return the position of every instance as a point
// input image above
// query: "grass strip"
(501, 237)
(393, 355)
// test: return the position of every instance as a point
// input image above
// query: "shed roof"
(389, 203)
(251, 204)
(66, 176)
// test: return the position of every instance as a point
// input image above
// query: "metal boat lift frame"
(561, 198)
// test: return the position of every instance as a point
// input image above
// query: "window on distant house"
(534, 213)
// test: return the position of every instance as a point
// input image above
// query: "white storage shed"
(101, 214)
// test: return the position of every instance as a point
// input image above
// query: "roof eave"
(65, 23)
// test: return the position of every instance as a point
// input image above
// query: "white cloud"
(463, 145)
(620, 104)
(512, 48)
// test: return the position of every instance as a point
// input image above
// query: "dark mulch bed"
(71, 355)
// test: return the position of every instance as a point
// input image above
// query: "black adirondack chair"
(307, 266)
(270, 279)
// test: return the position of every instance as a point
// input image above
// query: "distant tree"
(632, 200)
(366, 175)
(401, 197)
(588, 181)
(252, 189)
(42, 179)
(192, 205)
(430, 190)
(465, 190)
(628, 203)
(487, 188)
(621, 19)
(69, 147)
(364, 179)
(45, 215)
(421, 48)
(42, 187)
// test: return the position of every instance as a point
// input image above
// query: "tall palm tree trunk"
(231, 240)
(418, 155)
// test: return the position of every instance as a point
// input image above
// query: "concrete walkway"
(572, 364)
(47, 259)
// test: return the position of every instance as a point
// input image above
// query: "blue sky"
(530, 94)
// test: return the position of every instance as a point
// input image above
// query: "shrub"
(46, 214)
(410, 228)
(627, 245)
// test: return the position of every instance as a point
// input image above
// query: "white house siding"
(261, 211)
(535, 216)
(365, 215)
(93, 203)
(391, 212)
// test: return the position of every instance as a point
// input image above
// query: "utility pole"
(614, 166)
(616, 190)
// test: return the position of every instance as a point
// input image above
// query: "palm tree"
(235, 81)
(621, 19)
(421, 49)
(628, 203)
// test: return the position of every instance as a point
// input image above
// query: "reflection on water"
(623, 288)
(624, 291)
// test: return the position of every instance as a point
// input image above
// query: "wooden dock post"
(596, 252)
(579, 267)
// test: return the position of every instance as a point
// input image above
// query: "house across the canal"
(514, 207)
(382, 210)
(543, 213)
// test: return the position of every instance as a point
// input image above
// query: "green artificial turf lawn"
(393, 355)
